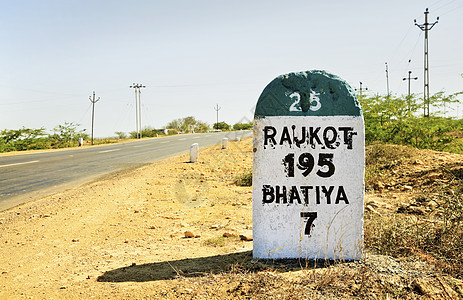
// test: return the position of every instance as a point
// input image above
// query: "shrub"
(242, 126)
(244, 179)
(121, 135)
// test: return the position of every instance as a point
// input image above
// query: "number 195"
(306, 163)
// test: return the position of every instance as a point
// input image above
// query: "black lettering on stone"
(269, 135)
(314, 136)
(285, 137)
(317, 194)
(341, 195)
(268, 194)
(305, 191)
(327, 193)
(330, 139)
(294, 195)
(299, 142)
(348, 133)
(280, 194)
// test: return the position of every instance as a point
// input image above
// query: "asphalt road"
(26, 177)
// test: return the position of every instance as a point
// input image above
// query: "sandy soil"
(124, 237)
(57, 246)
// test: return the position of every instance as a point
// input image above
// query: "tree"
(242, 126)
(68, 133)
(23, 139)
(175, 124)
(222, 126)
(202, 127)
(121, 135)
(188, 124)
(399, 120)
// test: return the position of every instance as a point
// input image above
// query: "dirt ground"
(125, 237)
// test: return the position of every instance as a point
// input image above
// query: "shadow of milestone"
(203, 266)
(171, 269)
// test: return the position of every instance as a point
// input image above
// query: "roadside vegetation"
(68, 134)
(399, 120)
(63, 136)
(429, 227)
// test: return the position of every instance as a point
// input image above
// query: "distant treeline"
(63, 136)
(67, 135)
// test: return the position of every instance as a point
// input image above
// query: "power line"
(426, 27)
(444, 5)
(452, 10)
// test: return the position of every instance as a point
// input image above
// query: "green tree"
(222, 126)
(66, 135)
(242, 126)
(175, 124)
(399, 120)
(121, 135)
(188, 124)
(202, 127)
(23, 139)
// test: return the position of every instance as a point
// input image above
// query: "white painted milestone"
(308, 181)
(224, 143)
(194, 149)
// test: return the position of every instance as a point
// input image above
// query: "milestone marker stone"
(308, 169)
(194, 149)
(224, 143)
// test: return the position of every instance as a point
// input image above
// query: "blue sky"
(192, 55)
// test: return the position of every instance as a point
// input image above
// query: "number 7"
(311, 217)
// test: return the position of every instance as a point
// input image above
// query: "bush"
(437, 236)
(32, 139)
(121, 135)
(434, 233)
(244, 179)
(398, 120)
(188, 124)
(242, 126)
(221, 126)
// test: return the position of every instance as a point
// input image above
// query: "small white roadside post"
(194, 149)
(224, 143)
(308, 169)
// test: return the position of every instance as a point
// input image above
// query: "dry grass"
(430, 226)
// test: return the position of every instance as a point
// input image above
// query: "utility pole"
(93, 110)
(409, 79)
(139, 107)
(136, 106)
(387, 79)
(360, 89)
(137, 88)
(426, 27)
(217, 108)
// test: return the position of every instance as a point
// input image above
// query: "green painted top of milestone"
(309, 93)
